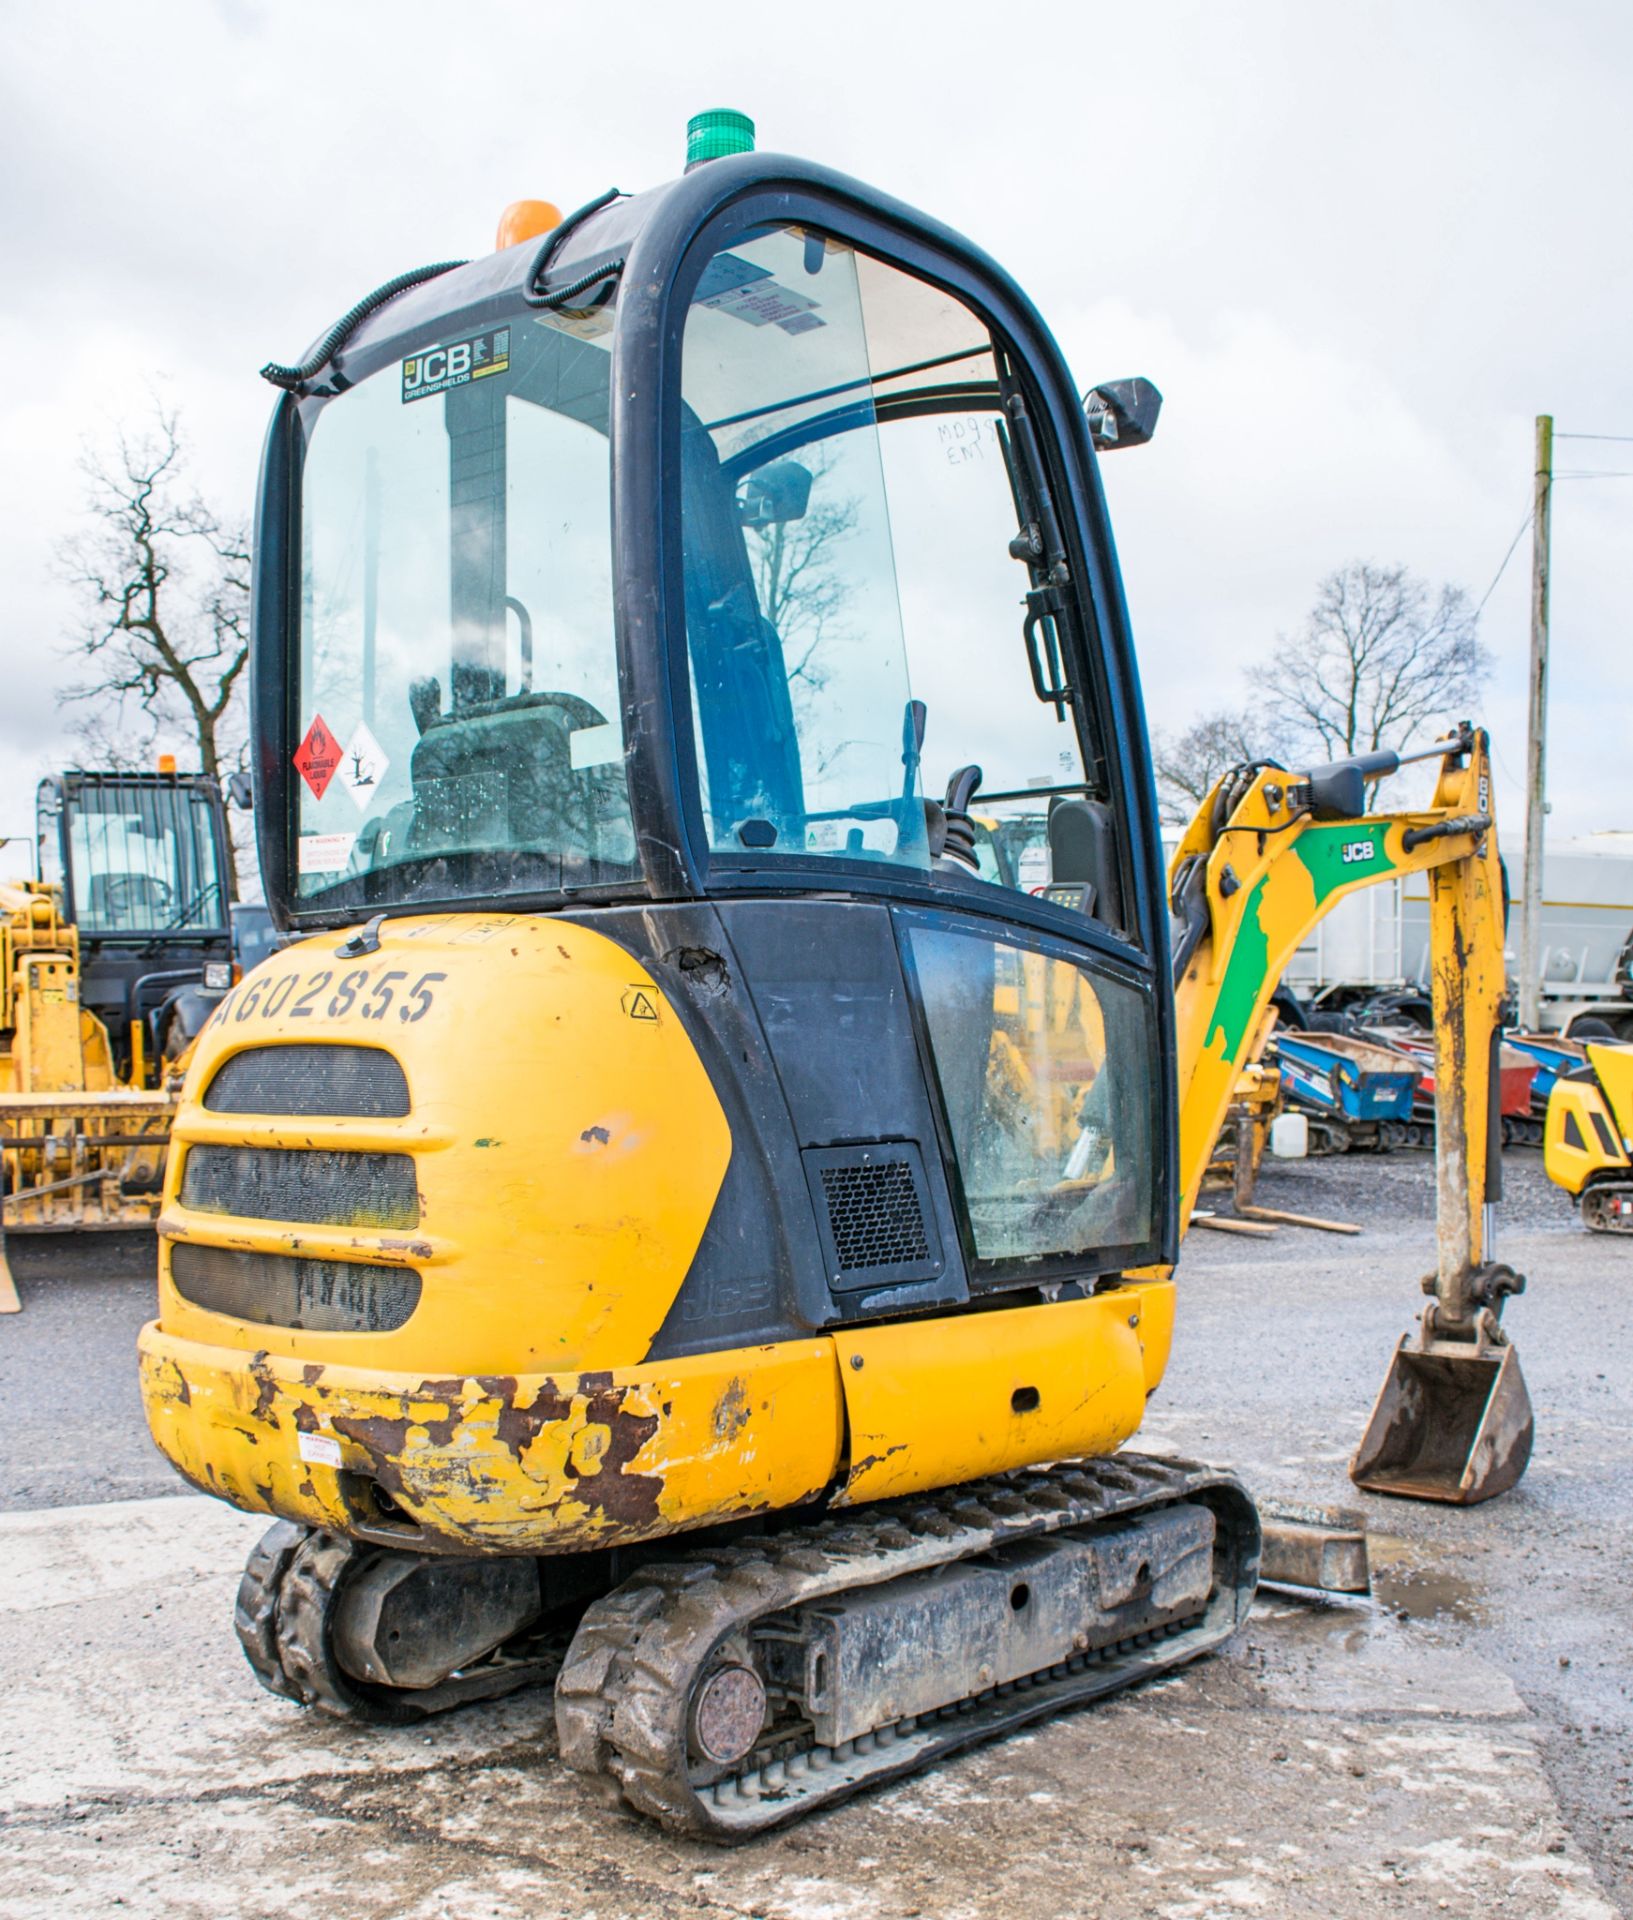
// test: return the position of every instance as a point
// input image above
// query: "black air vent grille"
(349, 1083)
(281, 1290)
(873, 1214)
(306, 1184)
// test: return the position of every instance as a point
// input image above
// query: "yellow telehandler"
(110, 964)
(677, 1220)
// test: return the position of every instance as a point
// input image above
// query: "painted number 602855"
(363, 992)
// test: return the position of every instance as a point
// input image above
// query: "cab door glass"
(952, 517)
(854, 611)
(1045, 1065)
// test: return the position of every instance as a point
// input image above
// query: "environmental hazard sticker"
(439, 368)
(363, 766)
(317, 758)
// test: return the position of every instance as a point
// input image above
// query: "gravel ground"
(1457, 1746)
(1281, 1347)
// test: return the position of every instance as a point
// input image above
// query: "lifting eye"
(1025, 1400)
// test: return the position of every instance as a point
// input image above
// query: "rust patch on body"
(628, 1499)
(266, 1389)
(732, 1411)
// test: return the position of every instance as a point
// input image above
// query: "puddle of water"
(1404, 1583)
(1335, 1625)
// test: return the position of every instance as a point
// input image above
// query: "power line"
(1628, 437)
(1596, 473)
(1519, 535)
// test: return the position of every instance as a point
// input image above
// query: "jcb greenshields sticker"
(439, 368)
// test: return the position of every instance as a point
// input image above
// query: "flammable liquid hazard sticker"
(317, 758)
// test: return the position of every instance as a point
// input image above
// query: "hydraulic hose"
(292, 379)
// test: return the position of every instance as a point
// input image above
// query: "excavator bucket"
(1452, 1423)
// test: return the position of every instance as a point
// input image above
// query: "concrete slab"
(1303, 1775)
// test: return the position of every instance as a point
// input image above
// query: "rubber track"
(624, 1689)
(1598, 1219)
(255, 1611)
(307, 1597)
(286, 1600)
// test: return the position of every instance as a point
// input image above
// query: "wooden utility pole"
(1536, 753)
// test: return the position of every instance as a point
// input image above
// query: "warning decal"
(640, 1003)
(325, 852)
(317, 758)
(749, 293)
(363, 765)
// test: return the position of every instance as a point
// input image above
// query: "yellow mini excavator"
(673, 1203)
(1588, 1136)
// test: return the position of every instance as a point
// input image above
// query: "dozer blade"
(1453, 1422)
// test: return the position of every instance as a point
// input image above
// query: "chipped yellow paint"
(532, 1464)
(934, 1403)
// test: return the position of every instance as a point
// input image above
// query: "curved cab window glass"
(855, 614)
(459, 710)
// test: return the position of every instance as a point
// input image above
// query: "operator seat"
(499, 774)
(1083, 852)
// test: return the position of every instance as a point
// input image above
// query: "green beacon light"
(712, 135)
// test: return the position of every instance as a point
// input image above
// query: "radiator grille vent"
(873, 1214)
(352, 1083)
(281, 1290)
(311, 1185)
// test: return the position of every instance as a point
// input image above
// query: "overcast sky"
(1358, 247)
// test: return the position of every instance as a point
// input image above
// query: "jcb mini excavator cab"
(141, 859)
(698, 1134)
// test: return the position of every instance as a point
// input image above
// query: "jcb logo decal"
(1355, 851)
(440, 368)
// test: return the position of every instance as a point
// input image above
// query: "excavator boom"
(1267, 855)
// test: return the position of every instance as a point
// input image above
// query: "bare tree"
(163, 585)
(1188, 763)
(801, 593)
(1381, 657)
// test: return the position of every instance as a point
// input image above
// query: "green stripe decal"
(1338, 856)
(1335, 857)
(1244, 978)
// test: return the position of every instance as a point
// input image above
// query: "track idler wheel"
(384, 1637)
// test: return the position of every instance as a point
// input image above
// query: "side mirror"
(1122, 413)
(775, 493)
(240, 792)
